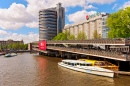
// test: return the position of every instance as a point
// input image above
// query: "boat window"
(102, 64)
(83, 64)
(96, 64)
(89, 64)
(69, 63)
(72, 64)
(77, 63)
(80, 64)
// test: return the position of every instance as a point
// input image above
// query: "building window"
(103, 23)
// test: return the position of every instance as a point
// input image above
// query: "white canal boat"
(10, 54)
(86, 67)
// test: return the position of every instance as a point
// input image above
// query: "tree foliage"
(64, 36)
(60, 36)
(81, 36)
(71, 37)
(119, 24)
(25, 47)
(14, 46)
(67, 36)
(96, 35)
(9, 46)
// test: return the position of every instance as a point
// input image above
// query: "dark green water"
(34, 70)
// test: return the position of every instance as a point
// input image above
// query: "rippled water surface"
(34, 70)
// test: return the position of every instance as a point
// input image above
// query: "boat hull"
(10, 55)
(90, 71)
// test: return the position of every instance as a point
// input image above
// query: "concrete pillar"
(76, 57)
(62, 55)
(39, 53)
(68, 56)
(107, 47)
(129, 65)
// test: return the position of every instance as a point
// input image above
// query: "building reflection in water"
(41, 63)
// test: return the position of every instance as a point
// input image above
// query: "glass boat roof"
(76, 61)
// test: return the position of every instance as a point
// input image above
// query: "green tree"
(96, 35)
(9, 46)
(25, 46)
(21, 46)
(119, 24)
(4, 47)
(13, 46)
(60, 36)
(0, 48)
(71, 37)
(67, 34)
(81, 36)
(17, 46)
(64, 36)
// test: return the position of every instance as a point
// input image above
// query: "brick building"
(4, 44)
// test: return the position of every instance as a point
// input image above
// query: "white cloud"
(79, 16)
(10, 25)
(67, 24)
(89, 7)
(126, 4)
(31, 37)
(101, 1)
(32, 24)
(14, 17)
(17, 15)
(2, 33)
(35, 5)
(115, 6)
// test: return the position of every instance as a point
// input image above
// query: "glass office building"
(51, 22)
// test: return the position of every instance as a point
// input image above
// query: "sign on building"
(93, 15)
(42, 45)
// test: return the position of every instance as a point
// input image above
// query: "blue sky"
(19, 18)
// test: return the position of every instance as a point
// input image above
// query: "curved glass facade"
(49, 21)
(47, 24)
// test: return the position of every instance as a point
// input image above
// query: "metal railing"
(99, 53)
(94, 41)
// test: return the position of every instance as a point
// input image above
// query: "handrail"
(100, 53)
(95, 41)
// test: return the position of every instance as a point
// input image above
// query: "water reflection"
(34, 70)
(41, 63)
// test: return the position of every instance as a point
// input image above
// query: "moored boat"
(13, 54)
(10, 54)
(86, 67)
(102, 64)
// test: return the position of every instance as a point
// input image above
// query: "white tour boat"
(86, 67)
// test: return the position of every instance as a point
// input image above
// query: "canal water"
(33, 70)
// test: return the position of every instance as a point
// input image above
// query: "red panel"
(42, 45)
